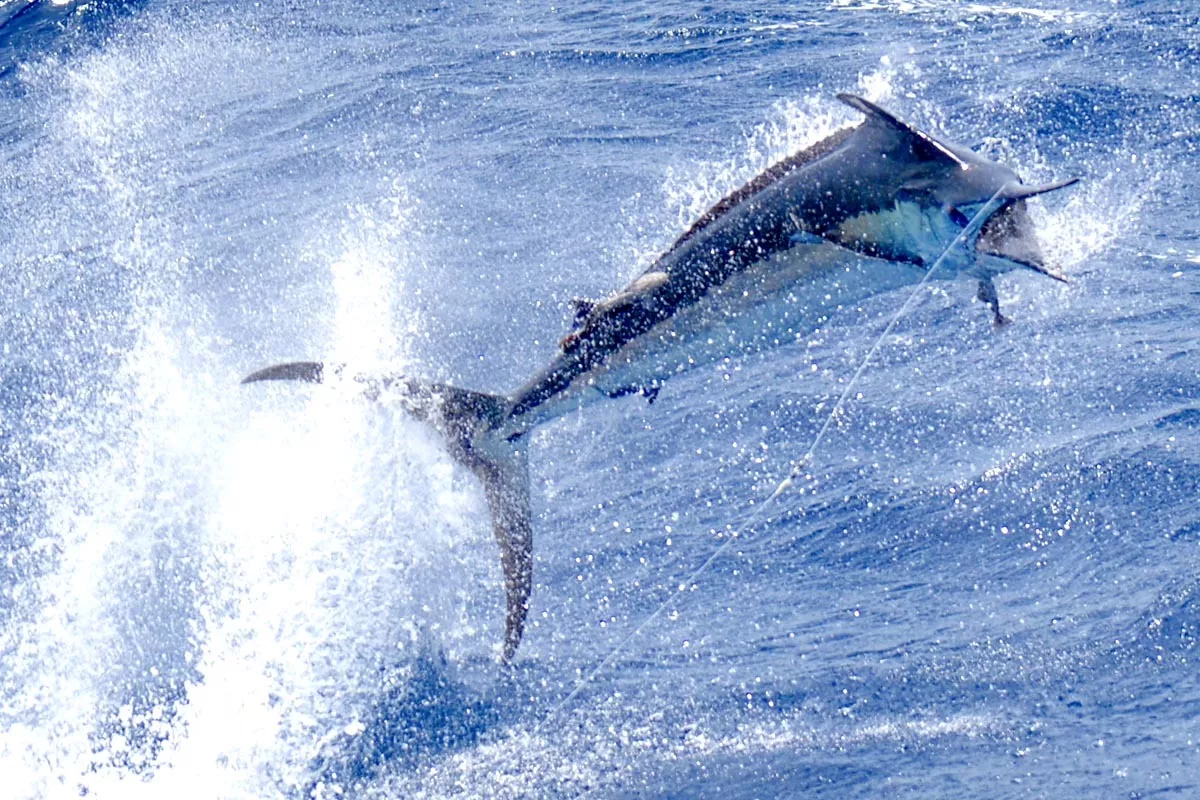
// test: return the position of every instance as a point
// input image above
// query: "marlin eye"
(959, 218)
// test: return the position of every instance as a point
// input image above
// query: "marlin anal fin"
(466, 420)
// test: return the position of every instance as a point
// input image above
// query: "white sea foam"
(236, 571)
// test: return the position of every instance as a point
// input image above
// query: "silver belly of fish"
(775, 302)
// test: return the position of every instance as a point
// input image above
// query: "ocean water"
(986, 583)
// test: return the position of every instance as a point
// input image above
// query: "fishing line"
(970, 230)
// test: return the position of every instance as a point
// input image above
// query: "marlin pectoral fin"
(958, 217)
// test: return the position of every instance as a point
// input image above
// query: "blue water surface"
(984, 584)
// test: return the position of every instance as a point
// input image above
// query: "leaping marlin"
(866, 210)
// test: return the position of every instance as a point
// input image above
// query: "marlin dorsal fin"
(925, 146)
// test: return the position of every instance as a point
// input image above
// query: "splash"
(341, 549)
(1098, 214)
(236, 583)
(229, 579)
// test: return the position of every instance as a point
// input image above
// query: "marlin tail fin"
(464, 418)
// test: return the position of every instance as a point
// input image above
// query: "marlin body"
(865, 211)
